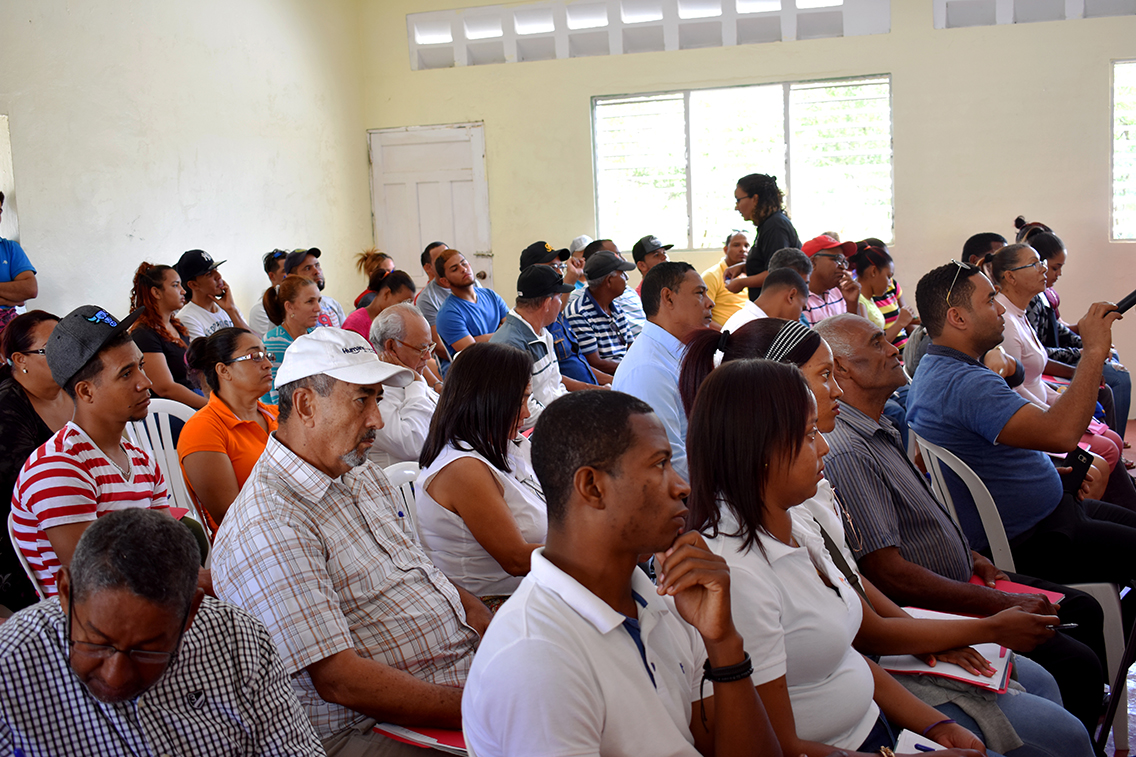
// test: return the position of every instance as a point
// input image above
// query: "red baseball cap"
(825, 242)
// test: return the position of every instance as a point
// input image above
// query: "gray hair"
(320, 383)
(391, 324)
(834, 330)
(791, 257)
(597, 283)
(144, 551)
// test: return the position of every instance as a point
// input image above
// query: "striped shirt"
(69, 480)
(610, 335)
(225, 693)
(331, 565)
(821, 306)
(889, 500)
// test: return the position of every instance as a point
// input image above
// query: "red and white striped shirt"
(69, 480)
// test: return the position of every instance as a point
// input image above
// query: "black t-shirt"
(775, 232)
(149, 340)
(22, 432)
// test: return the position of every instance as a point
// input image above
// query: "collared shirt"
(570, 359)
(331, 565)
(889, 500)
(609, 335)
(726, 303)
(406, 411)
(821, 306)
(650, 371)
(553, 635)
(629, 302)
(546, 383)
(225, 693)
(1021, 343)
(749, 312)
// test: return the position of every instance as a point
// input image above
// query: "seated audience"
(674, 298)
(211, 305)
(369, 262)
(539, 291)
(596, 317)
(628, 302)
(19, 284)
(1001, 437)
(431, 297)
(160, 335)
(221, 443)
(791, 257)
(369, 630)
(647, 253)
(197, 676)
(831, 289)
(274, 269)
(294, 307)
(758, 199)
(389, 288)
(890, 302)
(32, 408)
(626, 668)
(747, 486)
(726, 302)
(306, 263)
(906, 542)
(401, 336)
(574, 266)
(86, 469)
(783, 295)
(875, 270)
(978, 246)
(470, 314)
(480, 510)
(1027, 230)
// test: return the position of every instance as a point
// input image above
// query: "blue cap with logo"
(79, 337)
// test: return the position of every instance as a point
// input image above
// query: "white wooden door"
(428, 183)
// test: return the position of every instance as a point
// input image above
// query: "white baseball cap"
(341, 354)
(579, 243)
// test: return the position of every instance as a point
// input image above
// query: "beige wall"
(143, 129)
(988, 123)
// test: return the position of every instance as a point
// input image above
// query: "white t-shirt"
(258, 319)
(331, 312)
(795, 626)
(558, 673)
(200, 322)
(749, 312)
(406, 413)
(447, 539)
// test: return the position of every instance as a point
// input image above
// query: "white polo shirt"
(559, 673)
(748, 312)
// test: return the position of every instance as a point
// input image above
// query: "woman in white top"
(481, 512)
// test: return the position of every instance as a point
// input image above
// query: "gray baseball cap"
(78, 338)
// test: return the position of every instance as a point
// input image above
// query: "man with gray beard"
(316, 547)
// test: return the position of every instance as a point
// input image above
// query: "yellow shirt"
(726, 303)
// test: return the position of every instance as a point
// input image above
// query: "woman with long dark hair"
(160, 336)
(481, 511)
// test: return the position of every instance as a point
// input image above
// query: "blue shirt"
(458, 318)
(607, 334)
(960, 404)
(13, 261)
(568, 355)
(650, 371)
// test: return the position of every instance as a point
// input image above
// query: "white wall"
(142, 129)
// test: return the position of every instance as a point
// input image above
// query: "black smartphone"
(1079, 460)
(1123, 306)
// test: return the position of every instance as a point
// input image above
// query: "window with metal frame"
(1124, 149)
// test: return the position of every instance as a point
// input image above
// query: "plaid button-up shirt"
(330, 565)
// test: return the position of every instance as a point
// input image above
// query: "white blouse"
(1020, 341)
(795, 626)
(447, 539)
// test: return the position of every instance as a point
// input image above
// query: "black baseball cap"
(295, 257)
(603, 262)
(78, 338)
(541, 281)
(542, 252)
(646, 246)
(194, 263)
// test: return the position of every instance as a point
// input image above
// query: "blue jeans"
(1120, 382)
(1045, 726)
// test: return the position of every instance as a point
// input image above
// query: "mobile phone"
(1079, 460)
(1123, 306)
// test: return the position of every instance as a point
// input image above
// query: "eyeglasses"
(739, 199)
(961, 267)
(40, 351)
(561, 267)
(257, 357)
(107, 651)
(1038, 264)
(427, 350)
(840, 260)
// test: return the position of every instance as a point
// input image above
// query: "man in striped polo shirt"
(86, 469)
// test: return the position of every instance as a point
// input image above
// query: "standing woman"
(759, 201)
(160, 335)
(389, 288)
(32, 408)
(294, 307)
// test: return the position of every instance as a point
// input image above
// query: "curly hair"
(368, 260)
(147, 278)
(770, 198)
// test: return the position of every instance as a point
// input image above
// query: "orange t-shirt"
(214, 428)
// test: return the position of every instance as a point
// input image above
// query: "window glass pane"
(733, 132)
(1124, 150)
(840, 153)
(641, 169)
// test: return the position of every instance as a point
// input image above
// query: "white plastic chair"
(1108, 595)
(402, 477)
(22, 557)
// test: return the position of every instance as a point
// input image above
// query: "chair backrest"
(402, 477)
(154, 435)
(936, 457)
(22, 557)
